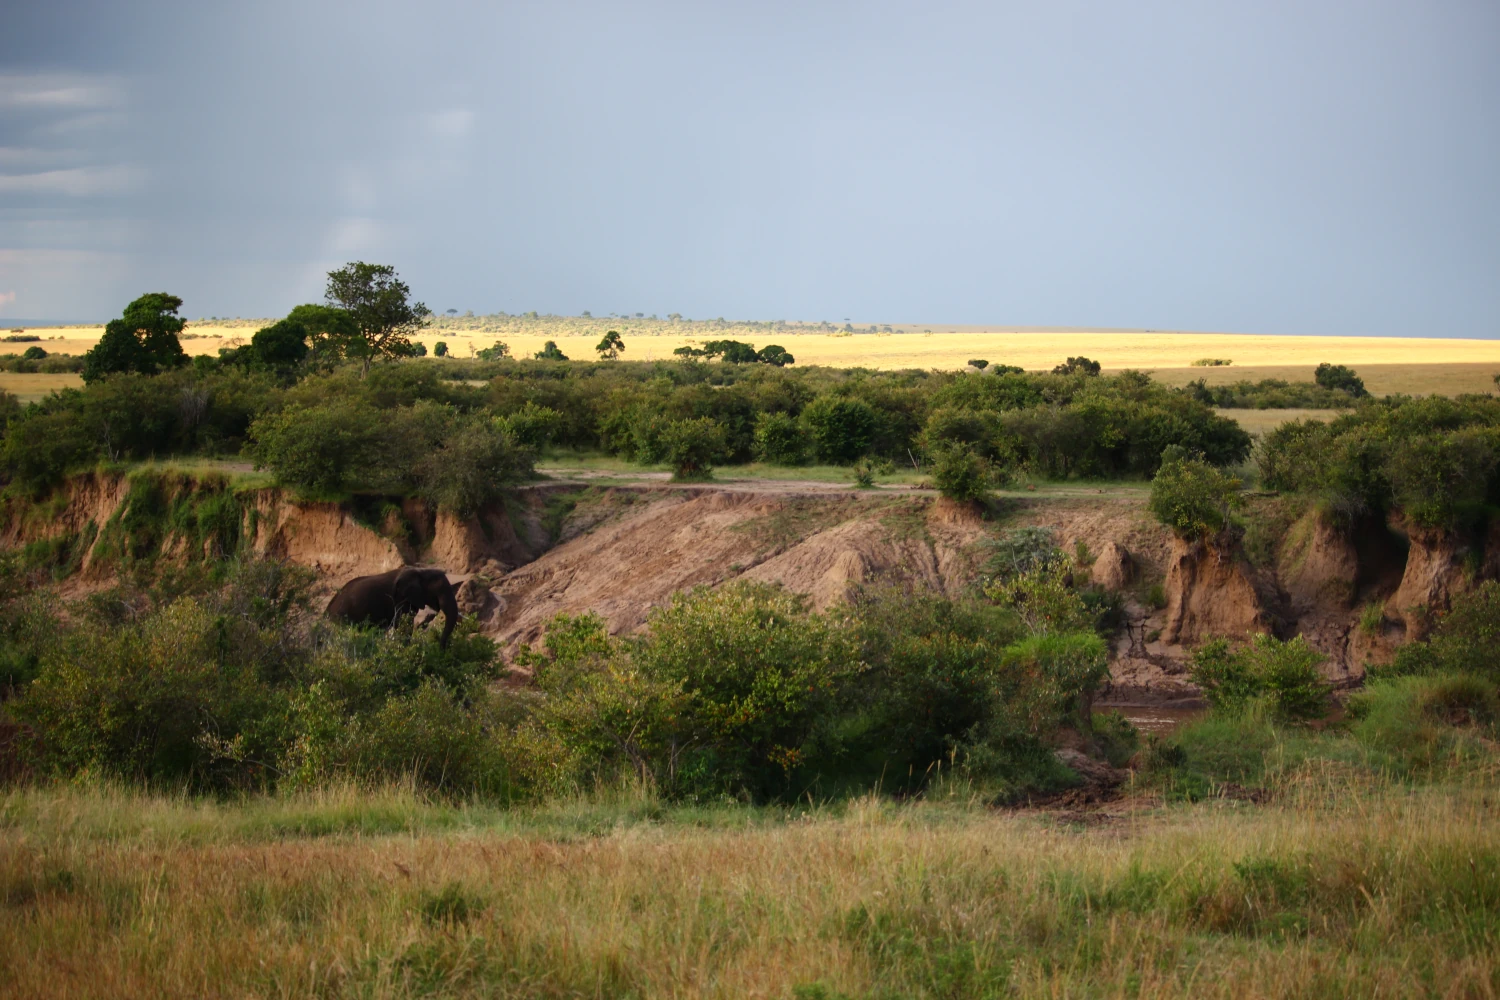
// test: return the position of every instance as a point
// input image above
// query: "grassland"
(942, 348)
(1260, 421)
(29, 388)
(1335, 889)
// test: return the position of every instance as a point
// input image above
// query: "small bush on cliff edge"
(1192, 497)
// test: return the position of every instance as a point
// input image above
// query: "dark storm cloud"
(1322, 168)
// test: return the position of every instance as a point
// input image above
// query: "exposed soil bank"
(620, 551)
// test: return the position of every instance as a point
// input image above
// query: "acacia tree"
(378, 303)
(611, 346)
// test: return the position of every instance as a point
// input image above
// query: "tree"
(498, 351)
(611, 346)
(775, 354)
(280, 345)
(143, 340)
(550, 352)
(33, 353)
(330, 331)
(379, 304)
(440, 349)
(1077, 366)
(979, 363)
(1340, 377)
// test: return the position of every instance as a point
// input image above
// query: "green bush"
(1463, 642)
(476, 460)
(1192, 497)
(327, 449)
(1339, 377)
(1285, 673)
(779, 439)
(692, 446)
(840, 429)
(961, 475)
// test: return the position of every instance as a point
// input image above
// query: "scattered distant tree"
(1340, 377)
(496, 352)
(674, 317)
(143, 340)
(440, 349)
(587, 314)
(33, 354)
(775, 354)
(639, 315)
(452, 312)
(1077, 366)
(979, 363)
(551, 352)
(611, 346)
(380, 304)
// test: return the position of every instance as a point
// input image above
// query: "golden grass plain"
(1411, 365)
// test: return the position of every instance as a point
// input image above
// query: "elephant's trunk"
(450, 615)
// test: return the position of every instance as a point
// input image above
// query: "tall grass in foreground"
(1339, 889)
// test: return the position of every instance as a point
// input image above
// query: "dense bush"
(1284, 673)
(692, 446)
(1192, 497)
(1466, 640)
(1269, 394)
(1434, 461)
(960, 474)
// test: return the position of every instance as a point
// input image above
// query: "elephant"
(381, 599)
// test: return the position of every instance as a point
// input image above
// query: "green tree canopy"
(611, 346)
(379, 303)
(1340, 377)
(549, 352)
(143, 339)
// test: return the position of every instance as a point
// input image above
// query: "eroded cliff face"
(1210, 593)
(1440, 565)
(622, 551)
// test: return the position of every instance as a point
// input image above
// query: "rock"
(1093, 772)
(1113, 569)
(476, 598)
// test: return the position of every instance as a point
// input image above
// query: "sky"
(1275, 167)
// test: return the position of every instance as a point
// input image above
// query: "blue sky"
(1262, 168)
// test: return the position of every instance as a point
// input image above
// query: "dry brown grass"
(29, 388)
(1339, 891)
(945, 348)
(1260, 421)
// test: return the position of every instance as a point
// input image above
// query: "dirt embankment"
(621, 551)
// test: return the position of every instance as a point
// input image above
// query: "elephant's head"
(416, 589)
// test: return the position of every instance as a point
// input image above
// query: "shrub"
(840, 429)
(1212, 363)
(327, 449)
(979, 363)
(440, 349)
(1424, 723)
(1021, 550)
(1340, 377)
(550, 352)
(692, 446)
(1283, 672)
(532, 425)
(471, 468)
(1463, 642)
(779, 439)
(961, 475)
(1192, 497)
(1078, 366)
